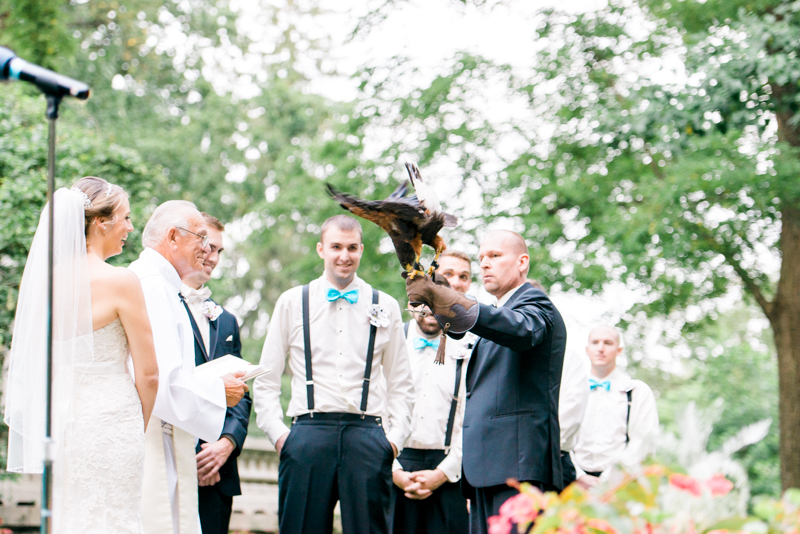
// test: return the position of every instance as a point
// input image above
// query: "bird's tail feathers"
(450, 221)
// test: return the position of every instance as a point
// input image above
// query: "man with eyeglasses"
(427, 497)
(187, 406)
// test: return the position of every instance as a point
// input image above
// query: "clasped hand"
(419, 485)
(234, 388)
(210, 459)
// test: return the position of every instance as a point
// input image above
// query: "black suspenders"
(307, 349)
(629, 394)
(451, 418)
(370, 350)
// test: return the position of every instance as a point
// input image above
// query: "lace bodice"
(111, 343)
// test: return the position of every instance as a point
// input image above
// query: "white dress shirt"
(601, 439)
(191, 403)
(572, 398)
(505, 298)
(433, 393)
(195, 299)
(339, 334)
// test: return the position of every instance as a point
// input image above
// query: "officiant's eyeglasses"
(203, 238)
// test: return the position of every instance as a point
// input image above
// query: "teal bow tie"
(351, 296)
(594, 384)
(420, 343)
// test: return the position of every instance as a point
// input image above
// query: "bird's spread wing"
(384, 213)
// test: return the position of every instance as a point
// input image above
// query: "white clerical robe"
(186, 406)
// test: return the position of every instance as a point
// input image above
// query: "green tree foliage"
(657, 152)
(23, 186)
(734, 371)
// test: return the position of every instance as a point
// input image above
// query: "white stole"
(160, 506)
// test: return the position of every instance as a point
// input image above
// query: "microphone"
(49, 82)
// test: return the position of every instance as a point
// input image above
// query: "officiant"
(176, 243)
(216, 334)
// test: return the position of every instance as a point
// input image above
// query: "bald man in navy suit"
(511, 427)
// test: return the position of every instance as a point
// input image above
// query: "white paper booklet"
(229, 364)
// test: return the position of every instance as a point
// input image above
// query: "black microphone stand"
(53, 101)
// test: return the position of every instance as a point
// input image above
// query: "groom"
(176, 242)
(216, 334)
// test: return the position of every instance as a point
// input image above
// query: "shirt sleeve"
(451, 464)
(267, 387)
(643, 426)
(573, 397)
(520, 327)
(192, 403)
(399, 386)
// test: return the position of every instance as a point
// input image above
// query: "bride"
(99, 319)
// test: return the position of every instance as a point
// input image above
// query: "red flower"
(521, 509)
(499, 525)
(686, 483)
(719, 485)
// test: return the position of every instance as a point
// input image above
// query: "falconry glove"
(455, 312)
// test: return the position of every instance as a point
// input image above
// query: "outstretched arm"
(132, 312)
(519, 327)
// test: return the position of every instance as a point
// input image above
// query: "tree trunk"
(785, 321)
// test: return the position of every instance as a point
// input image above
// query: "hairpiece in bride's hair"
(109, 189)
(87, 204)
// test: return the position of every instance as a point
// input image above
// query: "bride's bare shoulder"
(119, 278)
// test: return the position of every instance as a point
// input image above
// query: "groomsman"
(456, 267)
(216, 334)
(427, 498)
(513, 378)
(347, 355)
(187, 406)
(621, 421)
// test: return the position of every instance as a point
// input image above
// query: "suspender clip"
(309, 382)
(363, 415)
(294, 420)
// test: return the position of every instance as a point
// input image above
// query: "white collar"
(163, 266)
(327, 284)
(505, 298)
(201, 295)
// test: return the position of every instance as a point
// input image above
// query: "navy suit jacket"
(224, 339)
(511, 417)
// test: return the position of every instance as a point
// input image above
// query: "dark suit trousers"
(567, 469)
(335, 457)
(444, 512)
(215, 510)
(487, 502)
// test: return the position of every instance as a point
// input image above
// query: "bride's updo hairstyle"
(105, 198)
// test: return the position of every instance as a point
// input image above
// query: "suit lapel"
(213, 331)
(198, 338)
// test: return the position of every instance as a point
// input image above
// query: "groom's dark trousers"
(511, 416)
(335, 457)
(216, 502)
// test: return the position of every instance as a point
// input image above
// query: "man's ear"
(524, 264)
(172, 237)
(319, 250)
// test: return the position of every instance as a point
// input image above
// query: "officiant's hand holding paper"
(234, 388)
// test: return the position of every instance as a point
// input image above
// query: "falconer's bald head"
(504, 261)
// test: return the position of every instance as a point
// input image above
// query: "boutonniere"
(377, 315)
(212, 310)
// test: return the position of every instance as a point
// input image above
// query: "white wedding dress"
(104, 445)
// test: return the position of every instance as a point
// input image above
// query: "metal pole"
(47, 474)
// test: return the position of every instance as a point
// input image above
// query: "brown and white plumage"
(409, 221)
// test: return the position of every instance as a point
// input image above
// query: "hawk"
(410, 221)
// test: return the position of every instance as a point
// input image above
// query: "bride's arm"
(133, 314)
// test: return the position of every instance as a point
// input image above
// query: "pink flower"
(499, 525)
(722, 531)
(719, 485)
(686, 483)
(521, 509)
